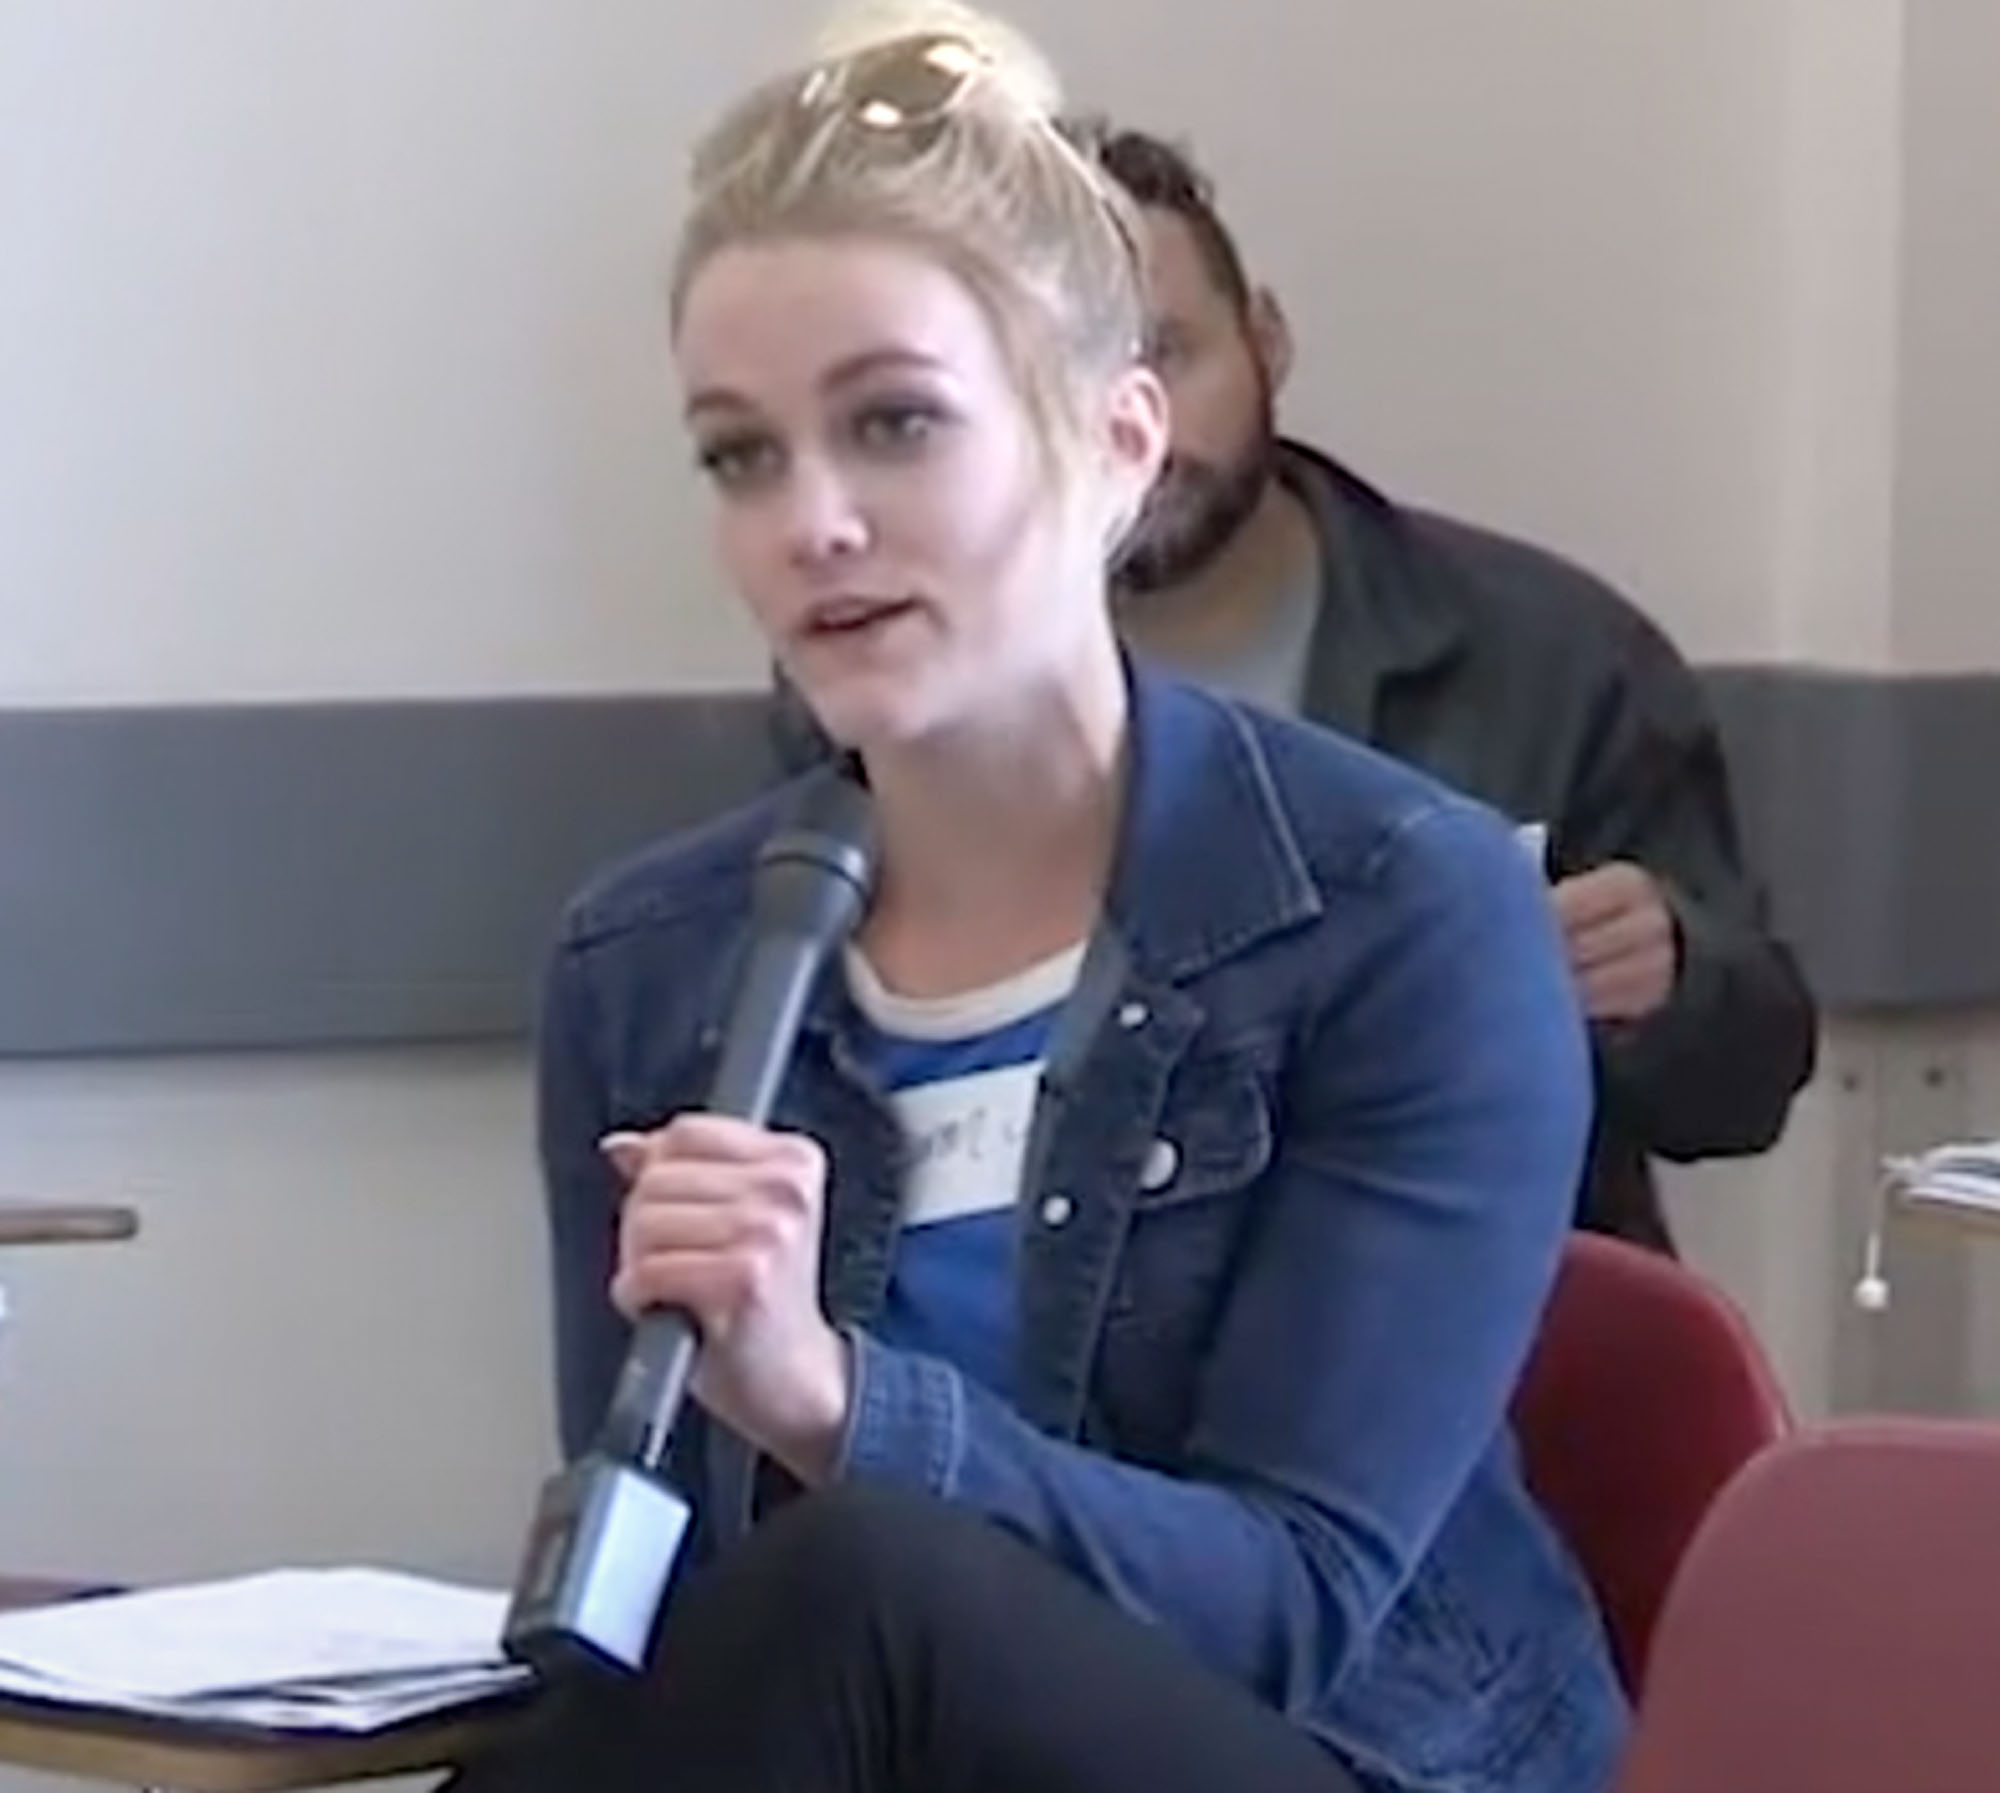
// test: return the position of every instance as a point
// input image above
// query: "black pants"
(867, 1643)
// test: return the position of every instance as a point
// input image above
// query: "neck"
(1230, 594)
(997, 839)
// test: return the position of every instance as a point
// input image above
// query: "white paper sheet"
(1964, 1176)
(337, 1649)
(1533, 839)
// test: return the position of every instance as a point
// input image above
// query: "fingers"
(1625, 968)
(627, 1152)
(667, 1189)
(713, 1204)
(711, 1286)
(1621, 941)
(1602, 893)
(664, 1228)
(695, 1135)
(1619, 992)
(713, 1260)
(1630, 933)
(1611, 912)
(711, 1264)
(713, 1158)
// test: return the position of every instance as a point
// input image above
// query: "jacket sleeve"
(582, 1201)
(1430, 1129)
(1714, 1072)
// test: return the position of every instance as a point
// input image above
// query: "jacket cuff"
(905, 1420)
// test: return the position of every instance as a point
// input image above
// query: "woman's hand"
(722, 1220)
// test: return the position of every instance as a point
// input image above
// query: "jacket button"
(1056, 1210)
(1133, 1014)
(1163, 1159)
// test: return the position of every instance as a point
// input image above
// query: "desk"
(188, 1758)
(65, 1223)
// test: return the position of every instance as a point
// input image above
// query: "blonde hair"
(929, 123)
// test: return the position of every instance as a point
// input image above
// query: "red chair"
(1646, 1392)
(1835, 1626)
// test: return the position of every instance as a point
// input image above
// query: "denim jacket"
(1260, 1400)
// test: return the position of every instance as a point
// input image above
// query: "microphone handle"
(763, 1026)
(653, 1386)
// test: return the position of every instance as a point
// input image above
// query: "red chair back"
(1646, 1392)
(1836, 1624)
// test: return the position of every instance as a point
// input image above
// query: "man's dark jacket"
(1518, 677)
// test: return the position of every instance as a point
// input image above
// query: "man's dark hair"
(1165, 176)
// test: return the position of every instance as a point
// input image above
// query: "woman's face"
(884, 503)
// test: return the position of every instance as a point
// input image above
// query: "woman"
(1107, 1351)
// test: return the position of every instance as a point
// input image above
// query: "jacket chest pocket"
(1215, 1140)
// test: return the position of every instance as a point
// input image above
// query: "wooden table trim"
(191, 1758)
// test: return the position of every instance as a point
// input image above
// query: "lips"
(854, 616)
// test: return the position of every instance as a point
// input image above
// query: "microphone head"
(815, 874)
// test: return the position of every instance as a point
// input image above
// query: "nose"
(822, 520)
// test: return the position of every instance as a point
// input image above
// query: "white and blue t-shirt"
(961, 1073)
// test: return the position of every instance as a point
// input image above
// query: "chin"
(868, 715)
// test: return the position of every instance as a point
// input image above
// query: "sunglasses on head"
(907, 87)
(913, 83)
(903, 85)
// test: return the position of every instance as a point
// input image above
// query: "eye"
(897, 426)
(739, 460)
(1167, 347)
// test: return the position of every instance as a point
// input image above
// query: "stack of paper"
(1960, 1178)
(351, 1650)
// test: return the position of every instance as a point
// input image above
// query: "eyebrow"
(843, 373)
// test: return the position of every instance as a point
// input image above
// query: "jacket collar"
(1208, 862)
(1385, 613)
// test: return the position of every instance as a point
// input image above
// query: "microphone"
(607, 1530)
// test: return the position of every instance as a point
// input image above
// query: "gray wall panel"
(325, 873)
(346, 873)
(1873, 804)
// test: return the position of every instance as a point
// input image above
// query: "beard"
(1195, 510)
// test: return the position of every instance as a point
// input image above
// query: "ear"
(1271, 337)
(1138, 427)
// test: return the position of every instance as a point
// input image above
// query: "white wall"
(327, 1345)
(331, 365)
(330, 349)
(1837, 361)
(1949, 445)
(331, 360)
(336, 1300)
(330, 354)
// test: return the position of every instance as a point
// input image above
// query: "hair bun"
(1016, 67)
